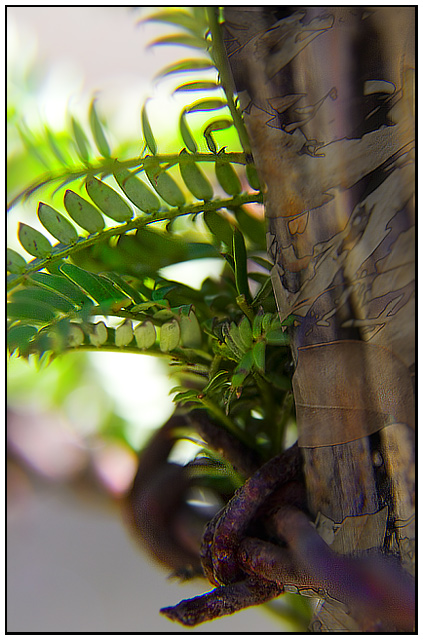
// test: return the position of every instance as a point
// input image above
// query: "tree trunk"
(327, 98)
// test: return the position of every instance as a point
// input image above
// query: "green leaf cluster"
(94, 280)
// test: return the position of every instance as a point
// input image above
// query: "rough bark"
(327, 96)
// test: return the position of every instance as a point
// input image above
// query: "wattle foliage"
(124, 219)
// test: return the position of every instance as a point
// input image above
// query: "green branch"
(107, 167)
(137, 223)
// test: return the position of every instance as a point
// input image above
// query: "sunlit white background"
(71, 565)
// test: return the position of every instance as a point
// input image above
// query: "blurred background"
(74, 426)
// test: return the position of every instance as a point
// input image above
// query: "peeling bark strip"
(327, 96)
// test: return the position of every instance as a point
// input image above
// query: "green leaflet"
(32, 146)
(56, 224)
(15, 262)
(186, 133)
(98, 334)
(63, 286)
(217, 381)
(230, 333)
(190, 396)
(252, 177)
(227, 178)
(266, 322)
(265, 297)
(147, 132)
(219, 226)
(277, 337)
(243, 369)
(176, 17)
(124, 286)
(108, 200)
(163, 314)
(186, 65)
(190, 330)
(33, 241)
(195, 180)
(81, 142)
(124, 334)
(145, 335)
(207, 104)
(216, 125)
(98, 132)
(257, 322)
(236, 342)
(30, 310)
(75, 335)
(200, 14)
(245, 333)
(83, 213)
(18, 338)
(144, 306)
(165, 186)
(180, 38)
(170, 334)
(266, 264)
(252, 227)
(240, 259)
(259, 356)
(37, 294)
(137, 192)
(100, 289)
(54, 145)
(201, 85)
